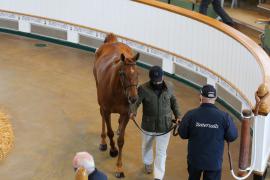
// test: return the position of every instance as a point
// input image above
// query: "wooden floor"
(50, 95)
(246, 15)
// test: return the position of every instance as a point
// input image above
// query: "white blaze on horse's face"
(131, 79)
(132, 82)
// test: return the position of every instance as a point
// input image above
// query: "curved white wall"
(181, 35)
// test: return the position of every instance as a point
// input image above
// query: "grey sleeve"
(175, 107)
(174, 104)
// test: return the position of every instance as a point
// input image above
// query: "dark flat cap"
(155, 73)
(208, 91)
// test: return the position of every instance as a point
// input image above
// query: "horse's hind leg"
(120, 141)
(107, 117)
(103, 144)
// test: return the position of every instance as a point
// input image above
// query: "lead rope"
(174, 127)
(250, 169)
(229, 155)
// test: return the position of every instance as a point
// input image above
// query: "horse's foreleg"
(119, 124)
(103, 144)
(120, 141)
(107, 118)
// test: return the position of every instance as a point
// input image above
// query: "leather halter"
(123, 78)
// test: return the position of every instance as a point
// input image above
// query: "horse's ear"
(136, 57)
(122, 57)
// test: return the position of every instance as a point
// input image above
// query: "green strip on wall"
(90, 49)
(49, 39)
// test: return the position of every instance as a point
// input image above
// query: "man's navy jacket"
(97, 175)
(206, 128)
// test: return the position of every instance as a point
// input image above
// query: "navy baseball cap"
(208, 91)
(156, 73)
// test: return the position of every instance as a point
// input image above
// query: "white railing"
(262, 128)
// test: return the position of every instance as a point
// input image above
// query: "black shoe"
(148, 169)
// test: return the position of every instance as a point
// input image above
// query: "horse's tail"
(110, 38)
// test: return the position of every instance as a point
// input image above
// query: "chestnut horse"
(116, 78)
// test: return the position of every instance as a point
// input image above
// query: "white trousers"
(161, 152)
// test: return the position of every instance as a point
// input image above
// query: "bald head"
(84, 160)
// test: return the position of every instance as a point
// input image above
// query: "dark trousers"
(218, 9)
(195, 174)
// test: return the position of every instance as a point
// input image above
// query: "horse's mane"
(110, 38)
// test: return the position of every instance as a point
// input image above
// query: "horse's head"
(129, 77)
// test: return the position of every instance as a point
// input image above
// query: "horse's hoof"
(119, 174)
(113, 153)
(103, 147)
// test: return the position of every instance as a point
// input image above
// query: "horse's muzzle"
(132, 99)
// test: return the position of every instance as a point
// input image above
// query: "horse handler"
(159, 103)
(206, 128)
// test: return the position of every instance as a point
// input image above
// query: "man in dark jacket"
(86, 161)
(159, 103)
(206, 128)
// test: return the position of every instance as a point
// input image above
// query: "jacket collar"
(208, 105)
(164, 85)
(93, 173)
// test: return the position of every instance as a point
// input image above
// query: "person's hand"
(132, 116)
(178, 120)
